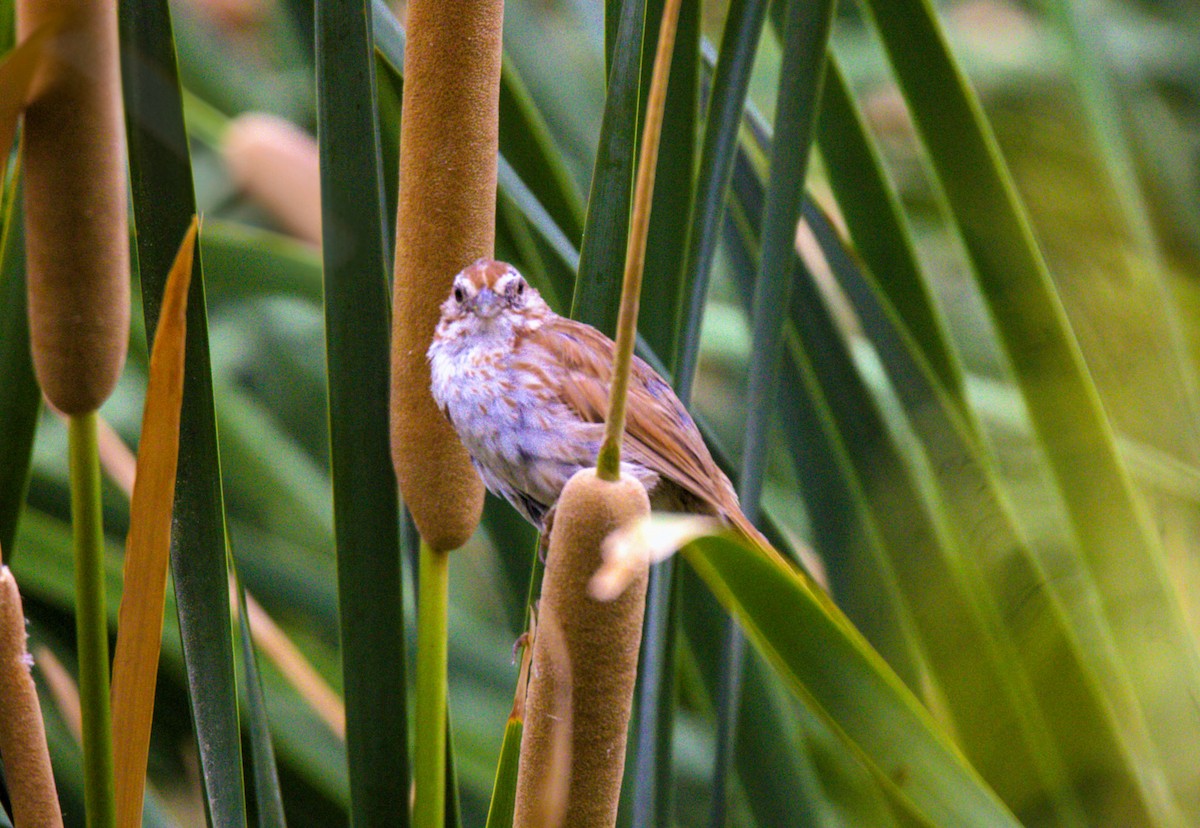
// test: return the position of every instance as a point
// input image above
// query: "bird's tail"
(750, 532)
(810, 568)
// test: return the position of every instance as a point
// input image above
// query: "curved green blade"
(1044, 675)
(875, 218)
(242, 261)
(268, 798)
(504, 793)
(22, 399)
(602, 254)
(529, 148)
(825, 661)
(727, 103)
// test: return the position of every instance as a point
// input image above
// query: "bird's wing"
(659, 432)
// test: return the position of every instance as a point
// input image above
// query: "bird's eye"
(514, 289)
(459, 295)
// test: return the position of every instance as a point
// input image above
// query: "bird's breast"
(479, 395)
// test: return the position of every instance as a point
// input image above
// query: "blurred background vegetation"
(1096, 105)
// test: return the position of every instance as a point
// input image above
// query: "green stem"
(430, 753)
(608, 464)
(91, 623)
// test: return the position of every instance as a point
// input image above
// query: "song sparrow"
(527, 392)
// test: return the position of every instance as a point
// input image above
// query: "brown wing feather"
(660, 434)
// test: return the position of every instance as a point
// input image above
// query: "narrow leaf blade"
(366, 503)
(602, 254)
(148, 546)
(1121, 551)
(163, 205)
(268, 796)
(21, 400)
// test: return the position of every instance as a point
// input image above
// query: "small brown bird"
(527, 392)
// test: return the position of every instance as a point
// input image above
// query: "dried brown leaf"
(140, 621)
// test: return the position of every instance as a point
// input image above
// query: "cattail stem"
(91, 622)
(608, 464)
(430, 752)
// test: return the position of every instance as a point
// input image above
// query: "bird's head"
(487, 292)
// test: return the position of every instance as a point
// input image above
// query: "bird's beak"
(487, 303)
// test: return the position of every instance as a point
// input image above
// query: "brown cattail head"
(76, 231)
(277, 165)
(601, 640)
(448, 143)
(22, 734)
